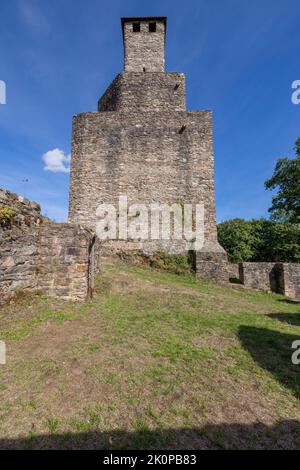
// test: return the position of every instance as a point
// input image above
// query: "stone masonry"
(291, 280)
(143, 143)
(260, 276)
(283, 278)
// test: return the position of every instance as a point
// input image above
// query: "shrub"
(6, 215)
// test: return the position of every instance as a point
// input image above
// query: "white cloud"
(55, 160)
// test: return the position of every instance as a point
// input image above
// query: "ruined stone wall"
(143, 144)
(261, 276)
(19, 219)
(18, 262)
(54, 259)
(283, 278)
(144, 50)
(64, 257)
(38, 255)
(290, 279)
(213, 271)
(150, 157)
(140, 92)
(212, 264)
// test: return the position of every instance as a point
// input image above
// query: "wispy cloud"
(56, 161)
(32, 17)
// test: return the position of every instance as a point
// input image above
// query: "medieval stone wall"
(18, 262)
(149, 157)
(19, 219)
(23, 211)
(64, 257)
(211, 263)
(59, 260)
(144, 50)
(290, 280)
(262, 276)
(143, 144)
(283, 278)
(233, 271)
(140, 92)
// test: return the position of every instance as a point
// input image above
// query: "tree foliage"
(286, 179)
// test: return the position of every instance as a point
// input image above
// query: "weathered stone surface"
(283, 278)
(290, 280)
(25, 212)
(216, 271)
(139, 92)
(64, 261)
(211, 262)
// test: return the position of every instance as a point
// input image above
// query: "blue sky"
(240, 58)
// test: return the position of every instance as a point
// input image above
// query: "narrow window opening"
(136, 27)
(152, 27)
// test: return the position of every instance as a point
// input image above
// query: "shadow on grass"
(283, 435)
(290, 318)
(272, 350)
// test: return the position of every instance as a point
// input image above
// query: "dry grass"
(154, 361)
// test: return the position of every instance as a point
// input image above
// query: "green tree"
(286, 179)
(279, 241)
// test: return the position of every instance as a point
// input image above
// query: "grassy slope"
(155, 360)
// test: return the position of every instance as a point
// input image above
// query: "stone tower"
(143, 143)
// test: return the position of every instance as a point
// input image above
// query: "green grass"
(25, 327)
(155, 360)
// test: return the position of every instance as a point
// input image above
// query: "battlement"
(144, 43)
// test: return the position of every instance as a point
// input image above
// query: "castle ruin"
(144, 144)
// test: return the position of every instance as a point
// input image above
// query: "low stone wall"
(211, 263)
(36, 254)
(283, 278)
(18, 262)
(24, 213)
(19, 219)
(57, 259)
(233, 271)
(65, 253)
